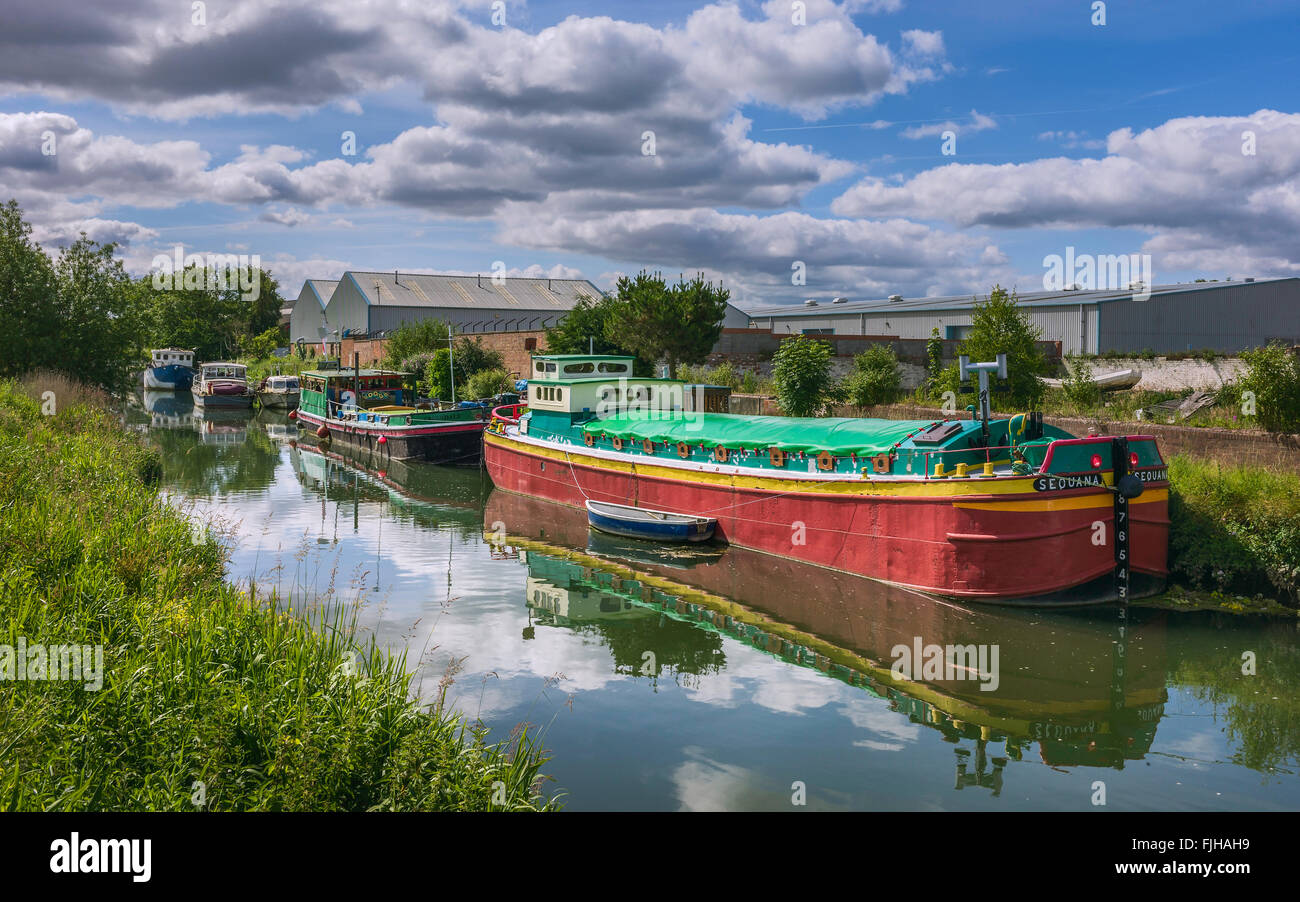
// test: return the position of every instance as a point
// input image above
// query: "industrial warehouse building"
(1222, 316)
(307, 320)
(373, 303)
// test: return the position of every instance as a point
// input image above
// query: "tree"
(1000, 326)
(472, 357)
(933, 359)
(486, 383)
(29, 319)
(98, 317)
(1273, 376)
(679, 323)
(585, 329)
(801, 376)
(875, 378)
(409, 339)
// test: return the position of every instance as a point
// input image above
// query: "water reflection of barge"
(1084, 689)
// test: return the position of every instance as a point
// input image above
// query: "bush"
(437, 374)
(487, 383)
(1078, 386)
(801, 376)
(409, 339)
(1273, 378)
(1234, 529)
(875, 378)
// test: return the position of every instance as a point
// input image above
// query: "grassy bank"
(1236, 530)
(207, 696)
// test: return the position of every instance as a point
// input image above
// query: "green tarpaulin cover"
(840, 436)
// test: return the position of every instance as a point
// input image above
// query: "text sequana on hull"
(1009, 510)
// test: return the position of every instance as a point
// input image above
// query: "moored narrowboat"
(1008, 510)
(375, 410)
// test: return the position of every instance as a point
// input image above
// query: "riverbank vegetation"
(210, 698)
(83, 314)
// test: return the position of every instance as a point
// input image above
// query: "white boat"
(222, 385)
(170, 369)
(1119, 379)
(279, 392)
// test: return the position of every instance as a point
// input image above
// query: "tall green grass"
(1234, 528)
(207, 694)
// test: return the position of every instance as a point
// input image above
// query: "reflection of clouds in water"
(702, 784)
(752, 677)
(893, 729)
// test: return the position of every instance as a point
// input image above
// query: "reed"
(211, 698)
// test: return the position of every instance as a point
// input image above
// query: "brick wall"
(748, 348)
(515, 347)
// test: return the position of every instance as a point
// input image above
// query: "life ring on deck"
(683, 450)
(588, 439)
(618, 444)
(880, 463)
(776, 457)
(720, 454)
(825, 461)
(648, 446)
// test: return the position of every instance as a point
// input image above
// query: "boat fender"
(618, 444)
(825, 461)
(293, 414)
(323, 431)
(880, 463)
(648, 446)
(383, 440)
(720, 454)
(588, 439)
(683, 450)
(776, 457)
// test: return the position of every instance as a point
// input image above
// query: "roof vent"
(895, 297)
(1250, 278)
(839, 300)
(810, 303)
(1072, 287)
(1136, 285)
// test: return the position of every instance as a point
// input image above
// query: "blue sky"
(776, 142)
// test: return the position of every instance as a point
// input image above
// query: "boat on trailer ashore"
(1010, 510)
(375, 410)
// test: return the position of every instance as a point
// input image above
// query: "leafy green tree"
(438, 375)
(1000, 326)
(933, 359)
(259, 347)
(586, 328)
(678, 324)
(875, 378)
(98, 316)
(486, 383)
(1078, 385)
(29, 316)
(409, 339)
(473, 357)
(1273, 376)
(801, 376)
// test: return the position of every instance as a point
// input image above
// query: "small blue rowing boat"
(643, 523)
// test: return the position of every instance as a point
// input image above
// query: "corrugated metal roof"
(965, 302)
(323, 289)
(421, 290)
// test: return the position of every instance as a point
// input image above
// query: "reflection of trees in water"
(431, 498)
(677, 647)
(1262, 710)
(194, 466)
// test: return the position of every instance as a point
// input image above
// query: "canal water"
(722, 679)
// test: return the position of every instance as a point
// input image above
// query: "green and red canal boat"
(375, 410)
(1010, 510)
